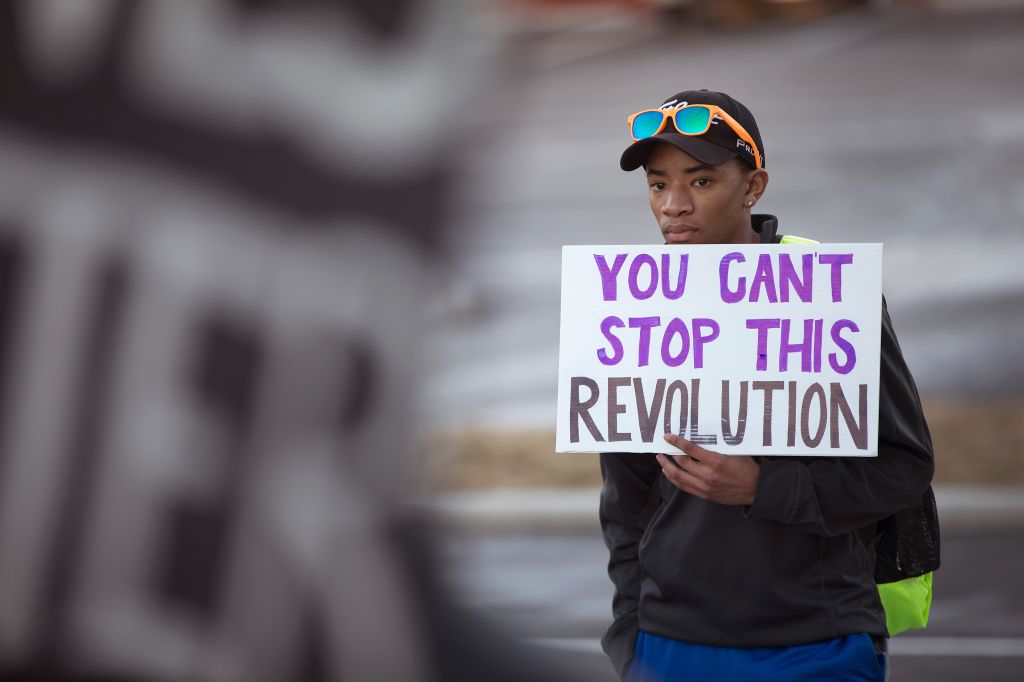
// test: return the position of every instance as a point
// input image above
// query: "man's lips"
(679, 234)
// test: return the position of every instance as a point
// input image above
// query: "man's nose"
(677, 202)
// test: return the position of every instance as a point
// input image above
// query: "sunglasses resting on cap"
(688, 119)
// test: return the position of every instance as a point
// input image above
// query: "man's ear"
(757, 183)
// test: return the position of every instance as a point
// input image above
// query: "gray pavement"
(960, 507)
(551, 589)
(534, 561)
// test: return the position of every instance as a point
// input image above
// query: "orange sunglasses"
(691, 119)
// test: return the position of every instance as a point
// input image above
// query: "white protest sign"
(753, 349)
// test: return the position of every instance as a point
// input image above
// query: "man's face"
(699, 204)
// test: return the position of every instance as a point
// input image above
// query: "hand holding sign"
(711, 476)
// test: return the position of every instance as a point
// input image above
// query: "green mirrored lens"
(693, 120)
(646, 124)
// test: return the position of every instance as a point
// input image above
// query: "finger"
(685, 480)
(686, 463)
(680, 459)
(691, 449)
(686, 446)
(693, 466)
(677, 441)
(670, 460)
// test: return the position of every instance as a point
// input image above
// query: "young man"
(743, 568)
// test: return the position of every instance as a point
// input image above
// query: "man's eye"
(702, 182)
(658, 186)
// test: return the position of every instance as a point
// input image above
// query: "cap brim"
(703, 151)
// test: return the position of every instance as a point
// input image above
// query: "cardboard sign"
(753, 349)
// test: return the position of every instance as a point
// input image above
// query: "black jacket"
(790, 569)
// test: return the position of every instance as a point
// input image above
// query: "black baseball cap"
(716, 146)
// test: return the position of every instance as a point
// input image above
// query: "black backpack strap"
(767, 226)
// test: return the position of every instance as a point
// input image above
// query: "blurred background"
(863, 107)
(279, 298)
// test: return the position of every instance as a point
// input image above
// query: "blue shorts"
(848, 659)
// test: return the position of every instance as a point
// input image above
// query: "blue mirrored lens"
(693, 120)
(646, 124)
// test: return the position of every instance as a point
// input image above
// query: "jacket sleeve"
(832, 496)
(628, 500)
